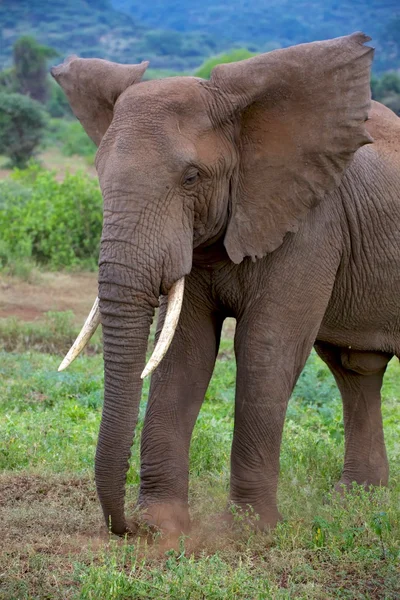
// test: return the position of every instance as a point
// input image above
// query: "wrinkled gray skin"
(262, 186)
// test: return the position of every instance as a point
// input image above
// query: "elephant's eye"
(191, 177)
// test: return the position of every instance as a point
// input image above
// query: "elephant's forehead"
(181, 97)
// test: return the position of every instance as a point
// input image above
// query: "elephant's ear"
(92, 86)
(301, 114)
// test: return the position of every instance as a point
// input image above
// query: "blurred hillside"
(179, 34)
(94, 28)
(260, 24)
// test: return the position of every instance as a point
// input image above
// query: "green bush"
(78, 142)
(57, 104)
(7, 80)
(205, 69)
(21, 127)
(71, 138)
(30, 67)
(387, 90)
(56, 224)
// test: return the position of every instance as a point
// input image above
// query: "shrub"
(57, 224)
(78, 142)
(21, 127)
(57, 104)
(71, 138)
(205, 69)
(7, 80)
(30, 68)
(387, 90)
(392, 101)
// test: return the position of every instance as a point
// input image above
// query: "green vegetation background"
(180, 34)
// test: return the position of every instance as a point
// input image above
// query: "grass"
(53, 158)
(55, 546)
(54, 332)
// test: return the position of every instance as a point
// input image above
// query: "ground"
(29, 300)
(54, 542)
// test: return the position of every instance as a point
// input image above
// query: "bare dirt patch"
(47, 523)
(46, 507)
(51, 292)
(60, 292)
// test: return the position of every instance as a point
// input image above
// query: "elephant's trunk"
(128, 295)
(125, 334)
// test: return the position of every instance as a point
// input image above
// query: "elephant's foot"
(345, 485)
(373, 477)
(170, 519)
(262, 518)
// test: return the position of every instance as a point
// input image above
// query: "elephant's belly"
(366, 317)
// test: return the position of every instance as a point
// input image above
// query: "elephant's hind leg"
(359, 376)
(177, 391)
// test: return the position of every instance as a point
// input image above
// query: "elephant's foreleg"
(359, 376)
(268, 366)
(177, 391)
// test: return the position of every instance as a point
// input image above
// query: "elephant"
(269, 193)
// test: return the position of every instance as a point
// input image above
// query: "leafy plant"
(71, 138)
(205, 69)
(21, 127)
(57, 104)
(387, 90)
(30, 67)
(58, 224)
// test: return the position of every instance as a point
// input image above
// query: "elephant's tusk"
(90, 326)
(175, 298)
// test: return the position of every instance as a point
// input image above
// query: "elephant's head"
(183, 162)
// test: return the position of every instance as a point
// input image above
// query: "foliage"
(387, 90)
(180, 35)
(7, 80)
(205, 69)
(58, 224)
(30, 67)
(71, 138)
(96, 29)
(21, 127)
(260, 23)
(57, 105)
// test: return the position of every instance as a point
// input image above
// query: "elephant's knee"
(364, 363)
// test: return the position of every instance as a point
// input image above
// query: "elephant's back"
(384, 127)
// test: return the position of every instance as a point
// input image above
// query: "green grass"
(54, 333)
(54, 543)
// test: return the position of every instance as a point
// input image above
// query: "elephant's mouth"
(175, 298)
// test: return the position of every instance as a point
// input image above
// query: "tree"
(387, 90)
(205, 69)
(30, 67)
(165, 43)
(7, 80)
(21, 127)
(57, 104)
(389, 83)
